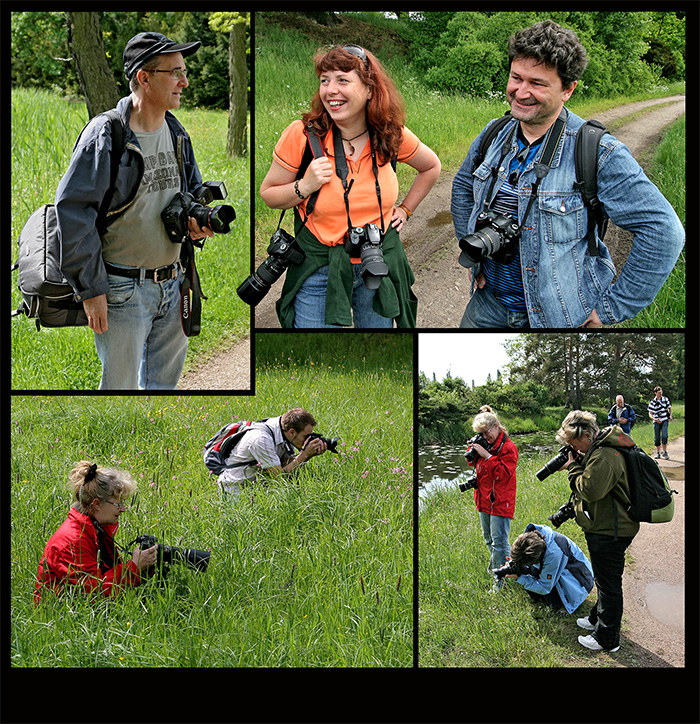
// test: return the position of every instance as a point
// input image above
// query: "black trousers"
(608, 560)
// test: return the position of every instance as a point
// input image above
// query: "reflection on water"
(440, 465)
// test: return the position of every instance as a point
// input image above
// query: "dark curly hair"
(385, 109)
(556, 47)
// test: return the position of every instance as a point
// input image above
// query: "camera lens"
(216, 218)
(373, 266)
(477, 246)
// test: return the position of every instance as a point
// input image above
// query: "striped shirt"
(660, 408)
(506, 280)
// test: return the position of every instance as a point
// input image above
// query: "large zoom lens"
(253, 290)
(556, 463)
(496, 237)
(216, 218)
(191, 557)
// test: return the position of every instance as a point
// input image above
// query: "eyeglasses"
(121, 506)
(176, 73)
(357, 51)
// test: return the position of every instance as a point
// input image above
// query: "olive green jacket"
(593, 478)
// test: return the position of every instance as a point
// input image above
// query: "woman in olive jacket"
(595, 470)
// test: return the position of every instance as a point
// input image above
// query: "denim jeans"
(144, 345)
(310, 303)
(608, 560)
(660, 433)
(496, 530)
(484, 310)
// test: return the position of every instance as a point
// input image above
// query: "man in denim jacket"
(553, 281)
(128, 274)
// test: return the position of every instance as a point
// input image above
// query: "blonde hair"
(577, 424)
(485, 420)
(88, 482)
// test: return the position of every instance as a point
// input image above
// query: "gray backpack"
(46, 295)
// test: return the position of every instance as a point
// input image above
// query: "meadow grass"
(461, 622)
(44, 130)
(313, 570)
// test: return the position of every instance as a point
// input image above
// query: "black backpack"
(586, 163)
(46, 295)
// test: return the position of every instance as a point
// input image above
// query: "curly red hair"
(385, 109)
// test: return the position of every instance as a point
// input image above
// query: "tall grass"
(461, 622)
(44, 131)
(313, 570)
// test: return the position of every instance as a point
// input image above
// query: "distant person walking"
(661, 414)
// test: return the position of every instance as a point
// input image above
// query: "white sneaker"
(585, 623)
(590, 643)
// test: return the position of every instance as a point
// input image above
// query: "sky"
(464, 354)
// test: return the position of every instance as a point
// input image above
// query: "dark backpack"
(46, 295)
(586, 163)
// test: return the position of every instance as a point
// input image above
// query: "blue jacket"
(564, 567)
(563, 284)
(630, 414)
(82, 188)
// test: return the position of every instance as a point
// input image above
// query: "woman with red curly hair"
(358, 117)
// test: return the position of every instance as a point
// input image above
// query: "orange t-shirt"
(329, 221)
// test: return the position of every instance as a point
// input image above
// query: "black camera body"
(471, 455)
(365, 242)
(555, 464)
(283, 251)
(175, 215)
(566, 512)
(509, 567)
(496, 236)
(331, 443)
(468, 484)
(166, 555)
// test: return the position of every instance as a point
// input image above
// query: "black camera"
(283, 251)
(467, 484)
(496, 236)
(515, 568)
(176, 214)
(331, 443)
(555, 463)
(192, 558)
(472, 454)
(365, 242)
(566, 512)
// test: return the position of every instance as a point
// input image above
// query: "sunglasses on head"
(357, 51)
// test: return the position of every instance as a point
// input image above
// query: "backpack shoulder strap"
(313, 149)
(586, 163)
(492, 130)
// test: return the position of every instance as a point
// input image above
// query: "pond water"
(440, 465)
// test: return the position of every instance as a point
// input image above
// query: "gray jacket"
(84, 185)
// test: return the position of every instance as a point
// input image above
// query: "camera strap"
(554, 136)
(191, 292)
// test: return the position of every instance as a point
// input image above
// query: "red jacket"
(70, 557)
(495, 491)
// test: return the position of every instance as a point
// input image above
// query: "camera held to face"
(471, 455)
(331, 443)
(496, 236)
(510, 567)
(283, 251)
(365, 242)
(166, 555)
(176, 214)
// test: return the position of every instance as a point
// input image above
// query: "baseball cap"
(144, 46)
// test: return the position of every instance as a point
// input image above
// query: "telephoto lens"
(556, 463)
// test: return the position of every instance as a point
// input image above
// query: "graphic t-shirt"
(138, 238)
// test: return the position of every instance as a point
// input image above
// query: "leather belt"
(159, 275)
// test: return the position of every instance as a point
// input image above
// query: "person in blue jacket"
(562, 574)
(622, 415)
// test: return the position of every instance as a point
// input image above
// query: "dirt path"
(442, 286)
(653, 624)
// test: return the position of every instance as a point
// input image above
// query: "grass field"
(44, 130)
(461, 622)
(313, 570)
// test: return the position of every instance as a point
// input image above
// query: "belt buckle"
(164, 273)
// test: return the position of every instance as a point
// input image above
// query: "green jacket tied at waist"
(394, 298)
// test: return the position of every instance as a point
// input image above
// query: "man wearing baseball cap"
(121, 262)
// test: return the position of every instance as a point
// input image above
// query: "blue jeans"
(484, 310)
(496, 530)
(660, 433)
(310, 303)
(144, 344)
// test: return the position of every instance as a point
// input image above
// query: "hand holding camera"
(145, 557)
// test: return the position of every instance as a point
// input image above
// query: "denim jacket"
(82, 188)
(563, 283)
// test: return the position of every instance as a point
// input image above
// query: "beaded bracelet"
(296, 189)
